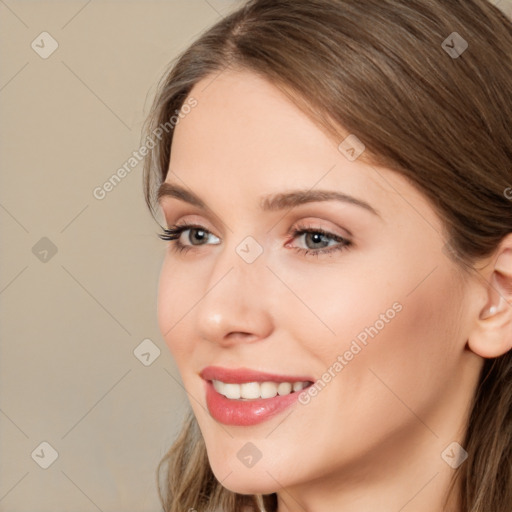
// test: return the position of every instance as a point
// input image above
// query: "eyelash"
(173, 233)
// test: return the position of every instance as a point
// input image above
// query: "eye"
(318, 241)
(196, 236)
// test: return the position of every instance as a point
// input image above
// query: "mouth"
(244, 397)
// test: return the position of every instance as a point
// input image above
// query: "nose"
(237, 301)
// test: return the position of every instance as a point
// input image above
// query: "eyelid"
(301, 225)
(188, 221)
(314, 225)
(186, 212)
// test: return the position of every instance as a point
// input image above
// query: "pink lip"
(245, 412)
(241, 375)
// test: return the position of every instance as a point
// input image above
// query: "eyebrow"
(272, 202)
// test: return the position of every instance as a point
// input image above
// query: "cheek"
(175, 300)
(400, 347)
(337, 305)
(421, 346)
(397, 329)
(371, 301)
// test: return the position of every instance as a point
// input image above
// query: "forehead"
(239, 113)
(245, 130)
(245, 139)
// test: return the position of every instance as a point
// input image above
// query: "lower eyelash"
(311, 252)
(173, 234)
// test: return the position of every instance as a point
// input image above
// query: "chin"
(247, 482)
(235, 477)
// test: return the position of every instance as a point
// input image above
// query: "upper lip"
(241, 375)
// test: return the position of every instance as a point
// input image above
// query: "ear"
(492, 333)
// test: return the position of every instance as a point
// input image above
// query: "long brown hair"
(427, 86)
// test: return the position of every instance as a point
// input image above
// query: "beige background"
(70, 321)
(69, 326)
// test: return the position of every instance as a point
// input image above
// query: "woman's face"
(379, 320)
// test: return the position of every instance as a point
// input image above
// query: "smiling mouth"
(258, 390)
(245, 397)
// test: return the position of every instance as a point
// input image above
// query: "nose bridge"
(235, 298)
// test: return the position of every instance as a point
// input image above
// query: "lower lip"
(245, 413)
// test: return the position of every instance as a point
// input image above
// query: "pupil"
(316, 237)
(199, 232)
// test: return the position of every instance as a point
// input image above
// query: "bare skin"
(373, 437)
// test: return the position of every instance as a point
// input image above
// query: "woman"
(337, 286)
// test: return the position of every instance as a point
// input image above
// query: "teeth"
(297, 386)
(268, 389)
(254, 390)
(218, 385)
(248, 389)
(284, 388)
(232, 391)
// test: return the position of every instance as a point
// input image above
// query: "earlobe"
(492, 334)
